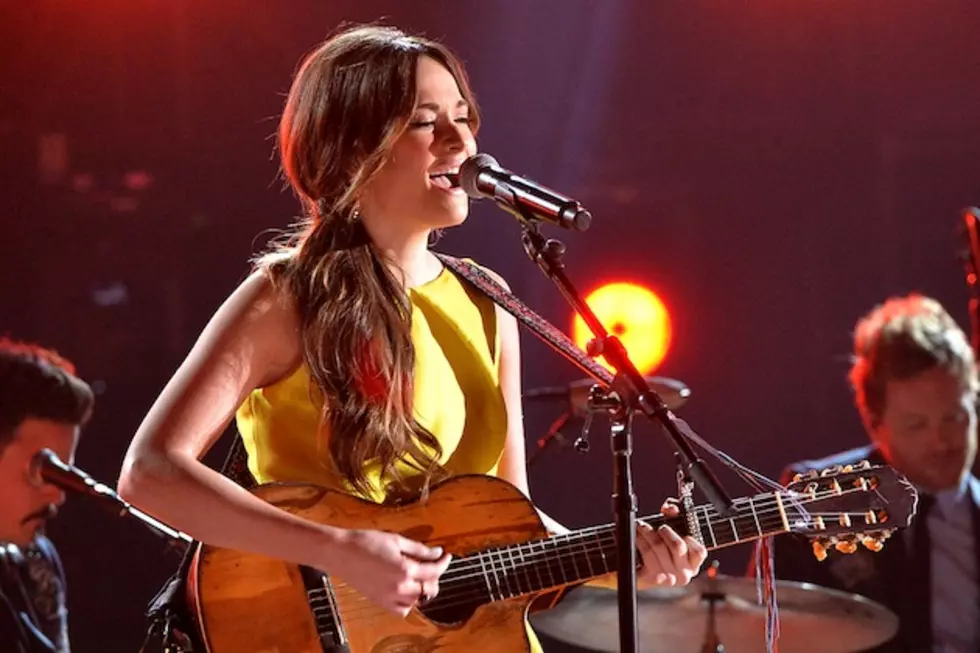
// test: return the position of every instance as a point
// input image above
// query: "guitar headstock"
(843, 507)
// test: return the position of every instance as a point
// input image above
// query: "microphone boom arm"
(71, 479)
(633, 389)
(627, 393)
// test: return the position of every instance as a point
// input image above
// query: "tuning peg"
(848, 468)
(864, 464)
(820, 549)
(832, 470)
(846, 546)
(808, 475)
(872, 543)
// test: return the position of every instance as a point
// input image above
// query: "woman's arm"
(513, 461)
(252, 340)
(249, 342)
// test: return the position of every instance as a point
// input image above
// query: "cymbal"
(673, 392)
(812, 619)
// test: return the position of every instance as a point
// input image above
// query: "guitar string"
(587, 535)
(472, 589)
(466, 595)
(531, 560)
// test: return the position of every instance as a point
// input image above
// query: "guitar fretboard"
(554, 562)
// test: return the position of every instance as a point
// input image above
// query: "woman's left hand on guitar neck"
(667, 558)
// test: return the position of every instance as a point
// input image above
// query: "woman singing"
(351, 358)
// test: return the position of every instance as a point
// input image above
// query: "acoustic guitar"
(503, 559)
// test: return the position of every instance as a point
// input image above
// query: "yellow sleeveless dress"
(457, 398)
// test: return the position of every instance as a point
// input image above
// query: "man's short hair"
(38, 383)
(900, 339)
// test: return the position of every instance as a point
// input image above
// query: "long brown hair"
(352, 97)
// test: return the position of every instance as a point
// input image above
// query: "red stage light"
(637, 316)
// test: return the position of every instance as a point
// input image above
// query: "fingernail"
(437, 550)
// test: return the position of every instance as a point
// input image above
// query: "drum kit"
(716, 613)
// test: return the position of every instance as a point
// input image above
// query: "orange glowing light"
(636, 316)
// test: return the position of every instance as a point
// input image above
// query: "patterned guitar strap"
(551, 335)
(541, 327)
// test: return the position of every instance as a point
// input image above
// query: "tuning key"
(846, 546)
(872, 543)
(805, 476)
(820, 547)
(808, 475)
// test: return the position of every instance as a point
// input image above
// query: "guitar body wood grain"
(246, 603)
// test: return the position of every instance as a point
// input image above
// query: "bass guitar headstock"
(844, 507)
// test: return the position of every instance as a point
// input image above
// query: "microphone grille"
(470, 170)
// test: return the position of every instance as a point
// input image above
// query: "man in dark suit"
(43, 405)
(915, 385)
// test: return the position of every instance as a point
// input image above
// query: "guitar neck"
(588, 553)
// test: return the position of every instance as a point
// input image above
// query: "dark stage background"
(772, 169)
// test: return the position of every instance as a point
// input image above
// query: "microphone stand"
(628, 394)
(72, 479)
(116, 505)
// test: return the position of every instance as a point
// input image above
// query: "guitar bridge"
(323, 605)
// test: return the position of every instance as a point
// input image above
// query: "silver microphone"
(480, 176)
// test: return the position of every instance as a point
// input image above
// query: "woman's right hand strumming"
(392, 571)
